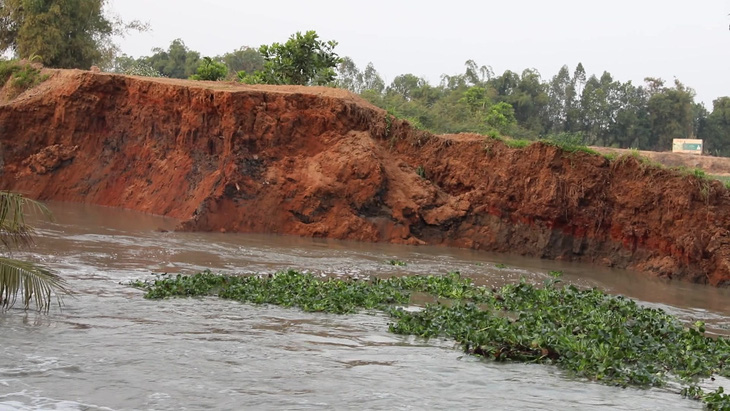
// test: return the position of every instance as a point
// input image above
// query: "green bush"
(7, 69)
(247, 78)
(22, 76)
(210, 70)
(142, 69)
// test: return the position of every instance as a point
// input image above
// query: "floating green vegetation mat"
(588, 333)
(398, 263)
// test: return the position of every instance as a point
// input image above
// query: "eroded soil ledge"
(322, 162)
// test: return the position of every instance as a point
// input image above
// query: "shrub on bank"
(21, 74)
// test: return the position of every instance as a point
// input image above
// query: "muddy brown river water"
(110, 349)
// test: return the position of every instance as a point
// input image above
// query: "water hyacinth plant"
(593, 335)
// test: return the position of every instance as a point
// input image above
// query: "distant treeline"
(597, 110)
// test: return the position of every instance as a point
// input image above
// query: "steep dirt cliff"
(321, 162)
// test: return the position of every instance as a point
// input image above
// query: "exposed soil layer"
(714, 166)
(321, 162)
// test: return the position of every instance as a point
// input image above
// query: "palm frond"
(14, 231)
(33, 283)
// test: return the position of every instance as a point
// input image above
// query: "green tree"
(501, 117)
(125, 64)
(527, 94)
(531, 101)
(477, 76)
(303, 60)
(579, 78)
(473, 76)
(600, 105)
(349, 76)
(406, 85)
(245, 59)
(561, 97)
(506, 84)
(601, 110)
(373, 86)
(629, 127)
(64, 33)
(476, 99)
(671, 112)
(210, 70)
(33, 283)
(177, 61)
(715, 129)
(371, 79)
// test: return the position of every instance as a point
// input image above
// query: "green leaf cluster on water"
(397, 263)
(587, 332)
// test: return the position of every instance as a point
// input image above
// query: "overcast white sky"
(631, 39)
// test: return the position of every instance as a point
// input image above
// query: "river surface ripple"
(110, 349)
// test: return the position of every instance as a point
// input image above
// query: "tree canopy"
(244, 58)
(210, 70)
(594, 109)
(303, 60)
(62, 33)
(178, 61)
(591, 109)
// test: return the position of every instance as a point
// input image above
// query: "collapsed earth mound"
(321, 162)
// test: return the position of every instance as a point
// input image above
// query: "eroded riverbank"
(320, 162)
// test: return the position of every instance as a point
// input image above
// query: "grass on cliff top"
(568, 142)
(681, 170)
(571, 144)
(22, 75)
(593, 335)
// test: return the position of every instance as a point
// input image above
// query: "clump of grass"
(7, 69)
(22, 75)
(610, 156)
(511, 143)
(590, 334)
(493, 135)
(570, 142)
(388, 124)
(645, 161)
(692, 171)
(723, 179)
(421, 171)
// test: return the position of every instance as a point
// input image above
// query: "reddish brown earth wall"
(321, 162)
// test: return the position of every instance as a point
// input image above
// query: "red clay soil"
(321, 162)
